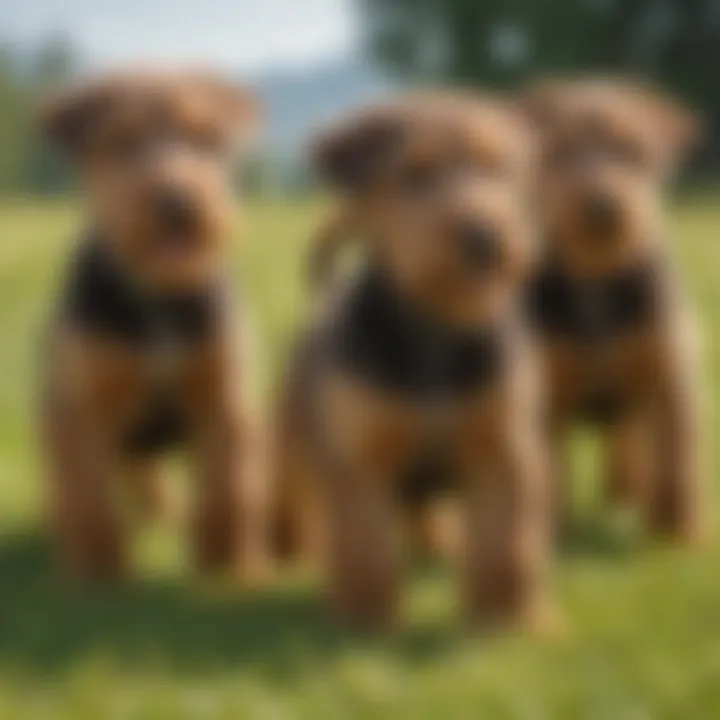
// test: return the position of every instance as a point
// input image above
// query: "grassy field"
(644, 622)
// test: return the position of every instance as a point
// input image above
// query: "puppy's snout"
(601, 211)
(176, 210)
(479, 245)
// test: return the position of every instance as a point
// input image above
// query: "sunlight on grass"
(643, 636)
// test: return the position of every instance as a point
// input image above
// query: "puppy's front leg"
(507, 534)
(82, 509)
(368, 439)
(364, 547)
(231, 518)
(674, 503)
(231, 525)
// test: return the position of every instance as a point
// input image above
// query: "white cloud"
(234, 34)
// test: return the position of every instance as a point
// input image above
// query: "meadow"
(643, 621)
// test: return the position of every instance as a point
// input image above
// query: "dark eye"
(127, 145)
(419, 177)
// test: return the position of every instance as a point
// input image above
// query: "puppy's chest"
(157, 414)
(382, 341)
(597, 337)
(161, 338)
(162, 328)
(591, 314)
(432, 372)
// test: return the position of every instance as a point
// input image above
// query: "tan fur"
(120, 131)
(361, 437)
(405, 229)
(96, 393)
(325, 247)
(624, 140)
(107, 126)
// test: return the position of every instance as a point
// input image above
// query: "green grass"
(644, 622)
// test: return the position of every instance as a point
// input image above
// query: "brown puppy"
(431, 526)
(617, 338)
(418, 378)
(145, 349)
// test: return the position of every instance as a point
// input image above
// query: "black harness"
(382, 339)
(592, 313)
(593, 310)
(101, 299)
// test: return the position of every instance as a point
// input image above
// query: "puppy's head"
(154, 152)
(438, 185)
(608, 150)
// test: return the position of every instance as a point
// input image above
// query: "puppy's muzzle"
(480, 246)
(601, 213)
(176, 212)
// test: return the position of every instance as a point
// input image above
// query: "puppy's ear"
(237, 104)
(542, 103)
(350, 155)
(680, 130)
(68, 117)
(246, 110)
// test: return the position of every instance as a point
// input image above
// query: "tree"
(502, 42)
(52, 64)
(492, 42)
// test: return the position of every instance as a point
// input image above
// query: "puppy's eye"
(127, 145)
(419, 177)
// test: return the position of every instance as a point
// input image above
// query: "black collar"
(384, 340)
(100, 298)
(591, 309)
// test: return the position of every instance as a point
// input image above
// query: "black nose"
(602, 212)
(479, 245)
(176, 210)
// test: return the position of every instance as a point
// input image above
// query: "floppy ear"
(246, 109)
(240, 108)
(542, 103)
(350, 155)
(679, 128)
(245, 117)
(67, 117)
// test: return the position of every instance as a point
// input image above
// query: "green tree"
(502, 42)
(26, 163)
(53, 63)
(493, 42)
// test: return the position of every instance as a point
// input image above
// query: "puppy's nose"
(479, 244)
(602, 212)
(175, 209)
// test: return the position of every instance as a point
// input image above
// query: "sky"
(235, 35)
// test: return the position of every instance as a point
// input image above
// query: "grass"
(644, 622)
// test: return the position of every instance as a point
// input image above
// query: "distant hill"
(296, 103)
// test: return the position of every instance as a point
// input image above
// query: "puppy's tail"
(325, 248)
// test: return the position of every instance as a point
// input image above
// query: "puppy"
(430, 527)
(418, 378)
(145, 349)
(616, 334)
